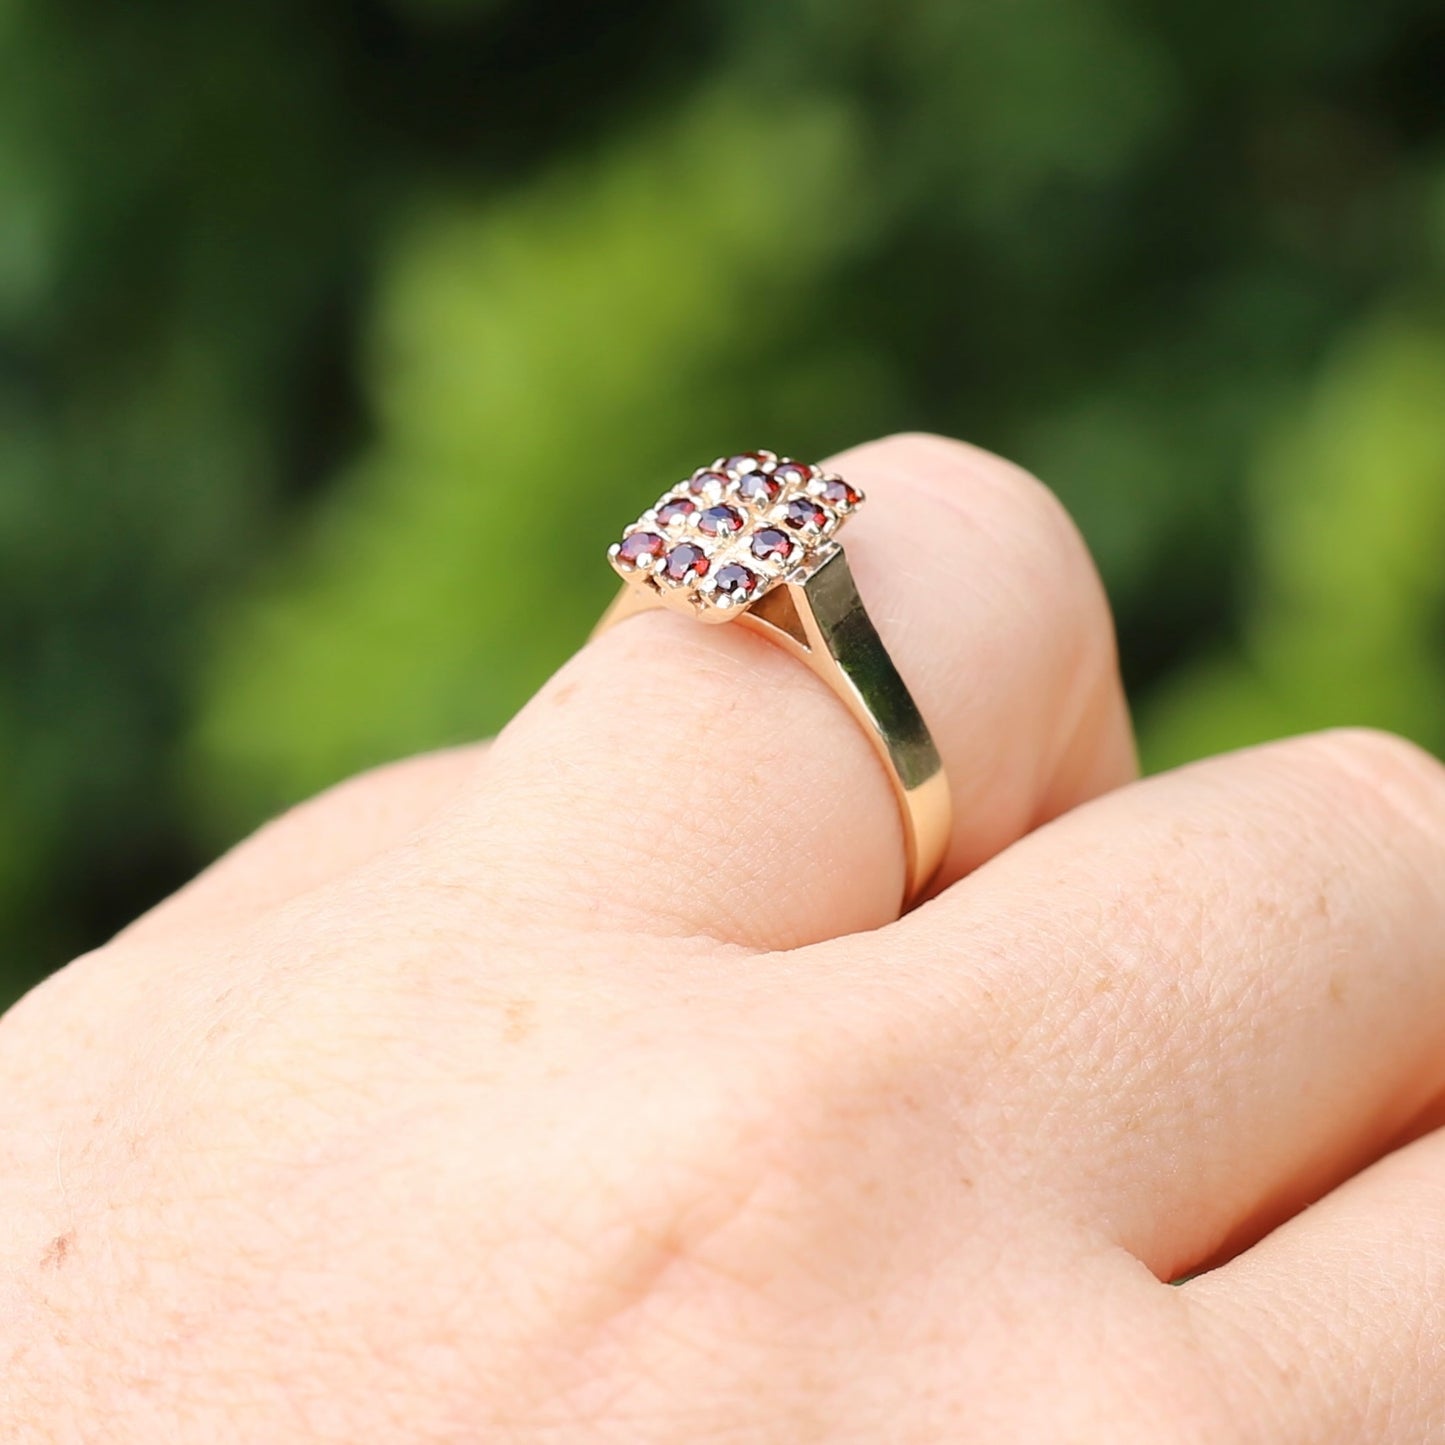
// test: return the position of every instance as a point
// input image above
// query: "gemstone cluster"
(725, 536)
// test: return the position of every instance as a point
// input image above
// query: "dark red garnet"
(734, 580)
(748, 461)
(719, 521)
(759, 487)
(638, 546)
(676, 508)
(837, 493)
(771, 545)
(706, 481)
(805, 515)
(793, 474)
(685, 562)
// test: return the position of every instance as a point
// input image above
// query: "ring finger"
(698, 780)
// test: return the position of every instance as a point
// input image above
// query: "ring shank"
(822, 622)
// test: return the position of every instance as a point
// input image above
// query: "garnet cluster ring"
(753, 539)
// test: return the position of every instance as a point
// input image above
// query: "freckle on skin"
(564, 693)
(1338, 987)
(58, 1250)
(521, 1020)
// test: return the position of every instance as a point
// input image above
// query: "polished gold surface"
(813, 611)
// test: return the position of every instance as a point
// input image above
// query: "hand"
(589, 1088)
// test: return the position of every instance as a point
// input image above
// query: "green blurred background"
(309, 310)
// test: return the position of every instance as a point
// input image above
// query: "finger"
(698, 779)
(317, 841)
(1228, 985)
(1333, 1328)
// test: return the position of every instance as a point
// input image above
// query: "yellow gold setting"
(724, 537)
(752, 539)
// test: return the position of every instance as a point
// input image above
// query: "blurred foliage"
(530, 357)
(308, 311)
(1346, 617)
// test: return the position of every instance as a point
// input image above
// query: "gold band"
(821, 620)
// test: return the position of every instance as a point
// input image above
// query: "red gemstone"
(706, 481)
(686, 563)
(748, 462)
(735, 580)
(719, 521)
(677, 508)
(771, 545)
(758, 487)
(805, 515)
(640, 547)
(793, 474)
(837, 493)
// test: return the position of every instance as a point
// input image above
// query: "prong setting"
(726, 535)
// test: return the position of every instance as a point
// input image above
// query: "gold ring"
(753, 539)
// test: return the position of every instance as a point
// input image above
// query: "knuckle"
(688, 1220)
(732, 1133)
(1366, 767)
(1023, 513)
(1383, 758)
(763, 1162)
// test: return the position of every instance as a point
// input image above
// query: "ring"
(752, 539)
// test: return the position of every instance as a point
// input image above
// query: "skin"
(589, 1088)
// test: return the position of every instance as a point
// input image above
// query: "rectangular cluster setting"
(731, 532)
